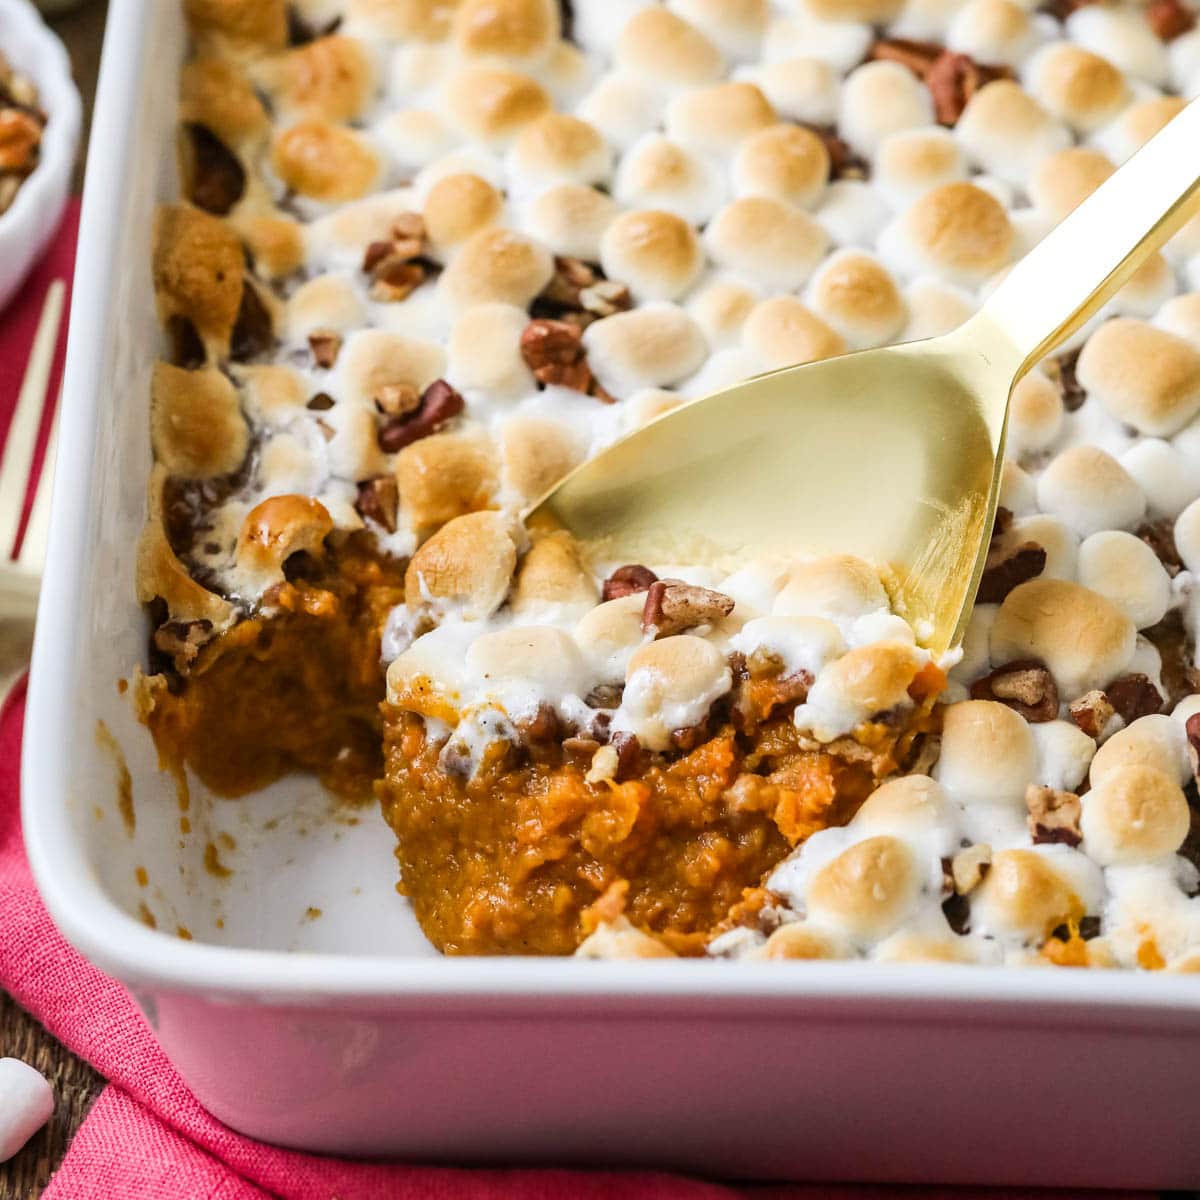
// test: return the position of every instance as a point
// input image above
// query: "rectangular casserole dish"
(297, 997)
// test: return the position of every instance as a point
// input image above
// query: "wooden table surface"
(75, 1084)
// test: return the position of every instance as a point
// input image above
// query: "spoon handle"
(1080, 264)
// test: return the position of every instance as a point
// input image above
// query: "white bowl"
(34, 215)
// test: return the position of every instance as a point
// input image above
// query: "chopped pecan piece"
(624, 581)
(1006, 569)
(440, 403)
(629, 755)
(605, 297)
(969, 866)
(1170, 19)
(321, 402)
(182, 640)
(917, 56)
(689, 738)
(374, 254)
(325, 345)
(1025, 686)
(1134, 696)
(605, 695)
(1053, 815)
(672, 607)
(953, 79)
(1160, 537)
(1092, 712)
(554, 353)
(395, 266)
(379, 500)
(1191, 728)
(396, 279)
(20, 140)
(543, 726)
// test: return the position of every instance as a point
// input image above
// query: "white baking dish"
(343, 1033)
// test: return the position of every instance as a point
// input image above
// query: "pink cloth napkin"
(146, 1136)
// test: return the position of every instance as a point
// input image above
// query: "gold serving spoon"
(890, 454)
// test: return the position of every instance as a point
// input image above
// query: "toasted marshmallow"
(492, 104)
(786, 162)
(867, 891)
(517, 32)
(1062, 181)
(323, 302)
(1007, 132)
(911, 162)
(1089, 490)
(623, 107)
(957, 230)
(1134, 814)
(1027, 894)
(1181, 316)
(484, 352)
(1124, 38)
(1035, 415)
(1156, 741)
(865, 682)
(842, 44)
(1084, 639)
(537, 453)
(988, 755)
(654, 253)
(659, 173)
(720, 308)
(557, 148)
(1142, 375)
(415, 137)
(992, 31)
(1076, 86)
(1187, 536)
(1137, 125)
(914, 808)
(735, 26)
(1146, 290)
(1184, 59)
(609, 634)
(1167, 478)
(839, 587)
(1060, 544)
(598, 23)
(652, 346)
(496, 265)
(1126, 571)
(468, 563)
(800, 89)
(372, 359)
(524, 666)
(457, 206)
(934, 307)
(852, 213)
(570, 220)
(800, 940)
(1064, 754)
(717, 119)
(878, 99)
(326, 162)
(781, 332)
(660, 45)
(765, 242)
(854, 293)
(1018, 491)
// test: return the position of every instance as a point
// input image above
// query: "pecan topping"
(396, 279)
(672, 607)
(629, 755)
(1134, 696)
(321, 402)
(440, 403)
(543, 726)
(917, 56)
(952, 78)
(1025, 686)
(1053, 815)
(578, 294)
(325, 345)
(379, 500)
(1062, 9)
(182, 640)
(1005, 569)
(554, 353)
(1160, 537)
(1092, 712)
(624, 581)
(605, 695)
(1191, 727)
(1170, 19)
(605, 764)
(969, 866)
(218, 179)
(689, 738)
(396, 265)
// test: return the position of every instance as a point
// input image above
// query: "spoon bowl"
(893, 455)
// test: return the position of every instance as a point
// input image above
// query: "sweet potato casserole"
(429, 257)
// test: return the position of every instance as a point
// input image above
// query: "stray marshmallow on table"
(26, 1102)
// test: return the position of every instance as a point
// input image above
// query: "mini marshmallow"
(800, 643)
(767, 243)
(878, 99)
(1063, 180)
(720, 308)
(598, 23)
(654, 253)
(1064, 753)
(660, 45)
(325, 302)
(1155, 741)
(801, 89)
(1018, 491)
(842, 44)
(909, 163)
(852, 213)
(1035, 415)
(988, 754)
(609, 634)
(1135, 814)
(1007, 132)
(992, 31)
(864, 683)
(1145, 291)
(975, 648)
(414, 137)
(570, 220)
(658, 173)
(557, 148)
(26, 1104)
(1142, 375)
(520, 32)
(468, 563)
(867, 891)
(1060, 544)
(736, 27)
(622, 107)
(522, 666)
(838, 587)
(1084, 639)
(1126, 571)
(1124, 38)
(1168, 479)
(1089, 490)
(492, 104)
(484, 352)
(857, 296)
(786, 162)
(1181, 316)
(934, 307)
(717, 119)
(782, 331)
(914, 808)
(496, 265)
(1027, 894)
(457, 206)
(1076, 86)
(655, 345)
(1137, 125)
(1187, 536)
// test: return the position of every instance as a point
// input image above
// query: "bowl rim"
(149, 959)
(58, 97)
